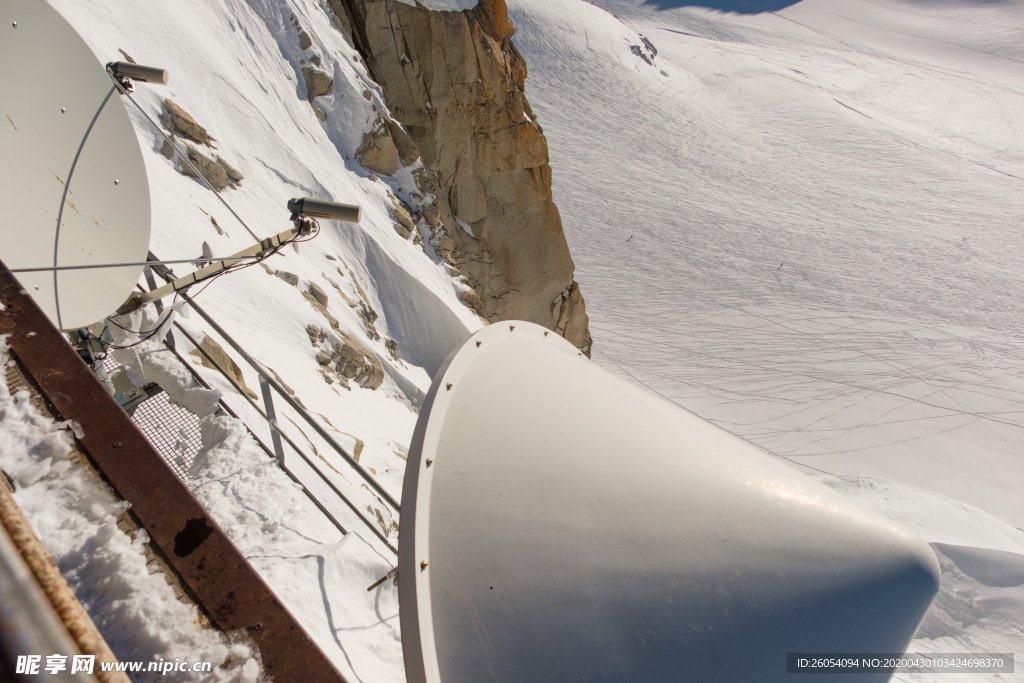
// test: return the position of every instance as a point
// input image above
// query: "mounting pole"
(305, 211)
(254, 254)
(275, 434)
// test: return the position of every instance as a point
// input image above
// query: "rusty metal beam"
(196, 547)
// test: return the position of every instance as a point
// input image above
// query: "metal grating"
(109, 364)
(171, 430)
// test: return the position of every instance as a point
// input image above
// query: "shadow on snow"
(739, 6)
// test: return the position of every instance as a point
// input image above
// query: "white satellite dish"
(560, 524)
(72, 178)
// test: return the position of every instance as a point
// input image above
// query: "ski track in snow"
(804, 226)
(838, 290)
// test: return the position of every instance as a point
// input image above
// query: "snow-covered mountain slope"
(238, 69)
(851, 210)
(804, 225)
(821, 238)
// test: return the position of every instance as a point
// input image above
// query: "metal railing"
(269, 385)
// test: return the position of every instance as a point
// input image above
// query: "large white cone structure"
(73, 186)
(560, 524)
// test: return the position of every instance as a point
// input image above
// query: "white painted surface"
(575, 527)
(52, 88)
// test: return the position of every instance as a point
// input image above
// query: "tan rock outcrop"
(454, 80)
(318, 84)
(234, 175)
(290, 278)
(318, 293)
(215, 170)
(344, 358)
(214, 356)
(377, 151)
(180, 122)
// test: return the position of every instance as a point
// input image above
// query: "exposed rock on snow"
(472, 299)
(355, 361)
(218, 172)
(180, 122)
(214, 173)
(221, 358)
(290, 278)
(234, 175)
(318, 293)
(569, 306)
(343, 358)
(455, 81)
(405, 226)
(318, 84)
(403, 231)
(377, 151)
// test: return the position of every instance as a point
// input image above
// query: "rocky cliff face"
(454, 82)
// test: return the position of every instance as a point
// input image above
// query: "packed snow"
(801, 224)
(237, 68)
(77, 515)
(821, 237)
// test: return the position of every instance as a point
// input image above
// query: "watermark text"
(87, 664)
(888, 662)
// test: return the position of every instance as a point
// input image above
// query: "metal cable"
(386, 497)
(255, 406)
(64, 198)
(184, 157)
(138, 263)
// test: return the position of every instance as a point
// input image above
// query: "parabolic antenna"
(560, 524)
(72, 178)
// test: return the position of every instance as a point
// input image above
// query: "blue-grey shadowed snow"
(739, 6)
(988, 567)
(424, 327)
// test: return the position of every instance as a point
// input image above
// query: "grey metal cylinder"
(318, 208)
(138, 72)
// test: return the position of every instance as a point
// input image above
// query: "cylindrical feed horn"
(137, 72)
(318, 208)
